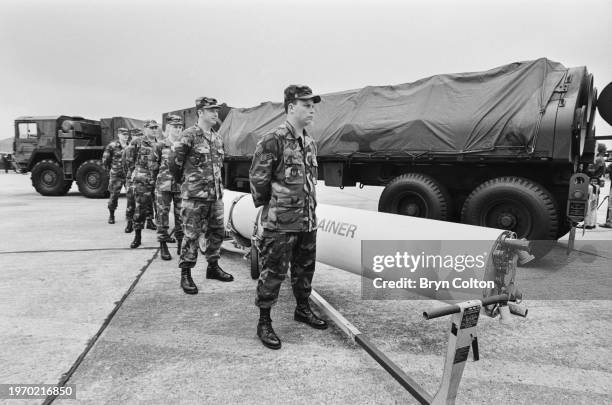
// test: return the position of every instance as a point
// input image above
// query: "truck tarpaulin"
(450, 113)
(110, 126)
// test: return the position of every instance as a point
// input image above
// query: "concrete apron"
(166, 346)
(64, 270)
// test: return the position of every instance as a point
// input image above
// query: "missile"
(343, 235)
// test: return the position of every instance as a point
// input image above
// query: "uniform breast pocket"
(294, 174)
(202, 151)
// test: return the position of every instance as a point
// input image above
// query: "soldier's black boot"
(215, 272)
(265, 332)
(179, 243)
(187, 283)
(165, 254)
(136, 242)
(304, 314)
(111, 217)
(130, 226)
(151, 225)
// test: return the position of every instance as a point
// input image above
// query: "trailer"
(496, 148)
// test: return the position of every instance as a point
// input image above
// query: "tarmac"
(78, 306)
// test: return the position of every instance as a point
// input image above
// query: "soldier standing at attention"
(138, 157)
(111, 159)
(282, 178)
(198, 162)
(167, 190)
(129, 195)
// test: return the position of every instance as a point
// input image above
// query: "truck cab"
(58, 150)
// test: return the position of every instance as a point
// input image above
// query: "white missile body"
(341, 231)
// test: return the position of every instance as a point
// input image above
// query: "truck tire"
(48, 178)
(417, 195)
(516, 204)
(92, 179)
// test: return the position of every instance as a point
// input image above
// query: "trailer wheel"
(92, 179)
(416, 195)
(48, 178)
(255, 262)
(518, 205)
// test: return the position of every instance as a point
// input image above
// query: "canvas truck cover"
(450, 113)
(110, 126)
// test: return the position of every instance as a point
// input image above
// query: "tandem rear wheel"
(92, 179)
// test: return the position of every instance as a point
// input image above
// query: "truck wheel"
(516, 204)
(48, 178)
(92, 179)
(416, 195)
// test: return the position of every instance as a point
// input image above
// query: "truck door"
(26, 140)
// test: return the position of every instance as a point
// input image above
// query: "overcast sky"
(142, 58)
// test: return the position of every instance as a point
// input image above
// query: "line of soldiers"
(184, 168)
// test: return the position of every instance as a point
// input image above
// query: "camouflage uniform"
(283, 176)
(129, 187)
(200, 156)
(167, 190)
(111, 159)
(142, 168)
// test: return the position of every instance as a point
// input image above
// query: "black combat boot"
(151, 225)
(265, 332)
(136, 242)
(165, 254)
(129, 227)
(303, 313)
(187, 283)
(215, 272)
(111, 217)
(179, 243)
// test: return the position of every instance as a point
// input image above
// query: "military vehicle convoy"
(495, 148)
(58, 150)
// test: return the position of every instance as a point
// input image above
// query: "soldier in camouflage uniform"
(167, 190)
(198, 162)
(111, 159)
(282, 178)
(138, 157)
(129, 195)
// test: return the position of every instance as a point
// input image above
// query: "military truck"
(58, 150)
(495, 148)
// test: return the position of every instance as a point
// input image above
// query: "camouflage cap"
(299, 92)
(173, 119)
(151, 124)
(206, 103)
(136, 132)
(122, 131)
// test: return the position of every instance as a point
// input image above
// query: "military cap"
(150, 123)
(123, 131)
(136, 132)
(173, 119)
(298, 92)
(206, 102)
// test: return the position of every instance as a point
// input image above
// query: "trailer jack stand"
(462, 338)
